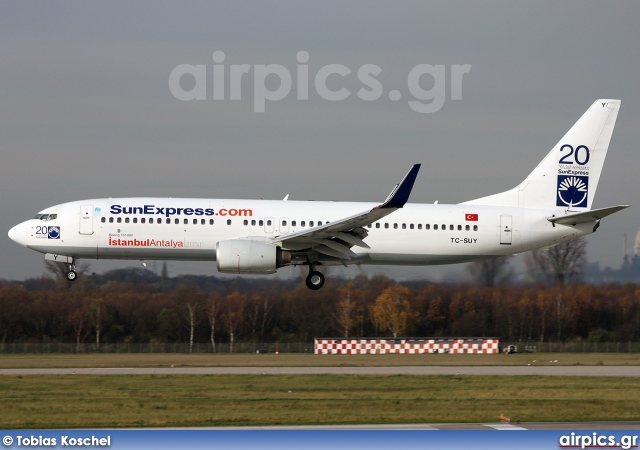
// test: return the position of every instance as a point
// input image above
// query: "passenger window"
(467, 227)
(195, 221)
(411, 226)
(119, 219)
(268, 222)
(135, 220)
(245, 222)
(404, 226)
(444, 227)
(177, 221)
(475, 228)
(168, 221)
(377, 225)
(103, 220)
(110, 219)
(419, 226)
(303, 223)
(435, 226)
(211, 221)
(293, 223)
(261, 222)
(427, 227)
(459, 227)
(126, 220)
(284, 223)
(142, 220)
(311, 223)
(319, 223)
(203, 221)
(151, 220)
(228, 221)
(395, 226)
(451, 227)
(386, 225)
(186, 221)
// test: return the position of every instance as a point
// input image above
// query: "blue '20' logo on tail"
(573, 190)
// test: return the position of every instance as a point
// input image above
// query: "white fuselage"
(189, 229)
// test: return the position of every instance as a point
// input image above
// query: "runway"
(566, 371)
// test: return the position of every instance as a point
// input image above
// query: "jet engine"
(250, 256)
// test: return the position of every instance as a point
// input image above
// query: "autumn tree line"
(137, 306)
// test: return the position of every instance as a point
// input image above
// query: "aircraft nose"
(18, 234)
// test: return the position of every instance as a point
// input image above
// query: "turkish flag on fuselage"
(471, 217)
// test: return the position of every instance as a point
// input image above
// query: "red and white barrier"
(348, 346)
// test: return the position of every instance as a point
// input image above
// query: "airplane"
(551, 205)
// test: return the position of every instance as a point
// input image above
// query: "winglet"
(400, 194)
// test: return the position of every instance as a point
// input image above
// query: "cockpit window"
(46, 217)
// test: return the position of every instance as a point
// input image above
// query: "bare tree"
(233, 315)
(345, 312)
(191, 315)
(491, 271)
(191, 299)
(78, 319)
(559, 264)
(96, 314)
(213, 311)
(59, 271)
(259, 315)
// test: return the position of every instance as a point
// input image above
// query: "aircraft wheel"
(315, 280)
(72, 275)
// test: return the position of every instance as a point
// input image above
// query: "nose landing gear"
(72, 274)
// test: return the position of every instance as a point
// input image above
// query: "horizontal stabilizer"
(587, 216)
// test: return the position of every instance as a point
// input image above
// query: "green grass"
(47, 360)
(82, 401)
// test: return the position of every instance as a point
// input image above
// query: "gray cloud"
(87, 110)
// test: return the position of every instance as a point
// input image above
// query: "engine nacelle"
(250, 256)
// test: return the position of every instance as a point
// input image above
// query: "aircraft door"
(86, 219)
(505, 229)
(268, 225)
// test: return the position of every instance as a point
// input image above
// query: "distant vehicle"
(509, 349)
(551, 205)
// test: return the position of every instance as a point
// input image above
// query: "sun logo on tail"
(572, 191)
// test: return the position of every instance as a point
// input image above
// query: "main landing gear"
(315, 279)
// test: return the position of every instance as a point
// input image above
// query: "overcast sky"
(87, 109)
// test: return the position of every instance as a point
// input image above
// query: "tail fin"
(568, 176)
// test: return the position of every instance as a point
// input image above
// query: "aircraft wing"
(335, 238)
(587, 216)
